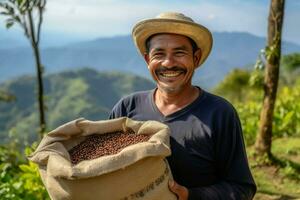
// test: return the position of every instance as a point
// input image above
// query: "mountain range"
(68, 95)
(230, 50)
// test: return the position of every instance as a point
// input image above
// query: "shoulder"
(130, 102)
(219, 109)
(135, 97)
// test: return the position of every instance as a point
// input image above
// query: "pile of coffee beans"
(97, 145)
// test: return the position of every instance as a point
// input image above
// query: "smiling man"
(208, 158)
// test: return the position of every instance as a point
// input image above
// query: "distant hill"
(69, 95)
(230, 50)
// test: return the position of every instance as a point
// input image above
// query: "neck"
(168, 102)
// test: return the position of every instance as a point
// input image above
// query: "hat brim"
(201, 35)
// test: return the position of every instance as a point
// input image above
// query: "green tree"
(291, 62)
(230, 87)
(273, 54)
(290, 68)
(29, 15)
(5, 96)
(241, 85)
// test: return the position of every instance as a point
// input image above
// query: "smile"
(171, 74)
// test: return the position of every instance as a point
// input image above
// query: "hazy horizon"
(68, 21)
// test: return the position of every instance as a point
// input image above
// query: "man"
(208, 158)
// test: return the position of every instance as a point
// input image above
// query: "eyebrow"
(183, 47)
(158, 49)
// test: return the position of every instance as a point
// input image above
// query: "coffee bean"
(96, 145)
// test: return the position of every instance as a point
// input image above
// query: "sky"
(89, 19)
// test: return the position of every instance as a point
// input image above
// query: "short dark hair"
(147, 43)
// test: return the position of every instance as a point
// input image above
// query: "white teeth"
(170, 74)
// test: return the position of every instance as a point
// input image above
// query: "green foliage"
(16, 11)
(286, 115)
(240, 85)
(287, 112)
(256, 79)
(72, 104)
(29, 182)
(290, 69)
(244, 89)
(272, 52)
(280, 176)
(249, 116)
(231, 86)
(5, 96)
(19, 179)
(291, 62)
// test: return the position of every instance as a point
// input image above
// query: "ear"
(197, 56)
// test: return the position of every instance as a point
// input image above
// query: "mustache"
(174, 68)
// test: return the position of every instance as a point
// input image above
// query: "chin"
(171, 89)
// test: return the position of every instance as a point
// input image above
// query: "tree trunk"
(40, 91)
(273, 54)
(39, 72)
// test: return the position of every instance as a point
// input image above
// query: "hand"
(181, 192)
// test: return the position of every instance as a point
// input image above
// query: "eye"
(180, 53)
(157, 54)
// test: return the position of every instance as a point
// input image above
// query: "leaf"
(33, 166)
(9, 8)
(17, 185)
(25, 168)
(20, 1)
(22, 6)
(288, 118)
(9, 24)
(17, 19)
(4, 13)
(28, 151)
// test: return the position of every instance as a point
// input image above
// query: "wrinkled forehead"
(168, 40)
(168, 35)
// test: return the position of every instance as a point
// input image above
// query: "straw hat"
(176, 23)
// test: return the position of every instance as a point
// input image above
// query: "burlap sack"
(139, 171)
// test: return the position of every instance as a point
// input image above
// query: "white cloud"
(211, 16)
(97, 18)
(94, 18)
(112, 17)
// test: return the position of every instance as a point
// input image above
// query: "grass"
(279, 180)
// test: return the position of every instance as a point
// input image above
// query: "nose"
(168, 61)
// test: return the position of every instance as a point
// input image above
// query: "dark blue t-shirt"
(208, 152)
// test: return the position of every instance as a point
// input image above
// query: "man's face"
(171, 61)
